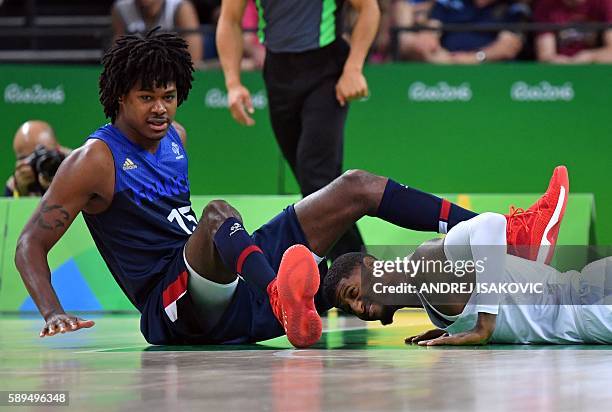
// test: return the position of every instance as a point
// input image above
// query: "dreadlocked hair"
(155, 60)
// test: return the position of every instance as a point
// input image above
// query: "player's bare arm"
(479, 335)
(84, 182)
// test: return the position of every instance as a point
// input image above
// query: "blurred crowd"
(437, 42)
(434, 31)
(195, 18)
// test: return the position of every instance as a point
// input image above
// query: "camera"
(45, 161)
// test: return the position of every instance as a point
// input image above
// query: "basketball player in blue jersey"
(207, 281)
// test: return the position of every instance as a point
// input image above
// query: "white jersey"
(134, 22)
(572, 309)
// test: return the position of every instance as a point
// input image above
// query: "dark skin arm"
(430, 334)
(433, 250)
(479, 335)
(84, 182)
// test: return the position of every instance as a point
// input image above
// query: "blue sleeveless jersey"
(150, 217)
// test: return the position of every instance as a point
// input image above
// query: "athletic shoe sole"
(298, 283)
(549, 237)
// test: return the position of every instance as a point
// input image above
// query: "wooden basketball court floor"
(355, 367)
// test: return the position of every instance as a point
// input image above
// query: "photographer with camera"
(38, 157)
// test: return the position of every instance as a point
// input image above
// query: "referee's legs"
(285, 121)
(320, 151)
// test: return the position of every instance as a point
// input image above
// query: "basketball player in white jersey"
(500, 298)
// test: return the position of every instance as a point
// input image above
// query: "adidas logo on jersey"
(128, 164)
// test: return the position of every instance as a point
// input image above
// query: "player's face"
(352, 299)
(149, 112)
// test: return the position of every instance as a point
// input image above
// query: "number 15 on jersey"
(185, 218)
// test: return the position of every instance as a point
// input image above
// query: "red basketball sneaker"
(292, 296)
(532, 233)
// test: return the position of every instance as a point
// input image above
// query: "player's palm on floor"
(471, 337)
(62, 323)
(430, 334)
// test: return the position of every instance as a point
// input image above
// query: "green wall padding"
(77, 244)
(481, 139)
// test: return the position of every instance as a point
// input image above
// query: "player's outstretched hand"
(430, 334)
(62, 323)
(240, 105)
(472, 337)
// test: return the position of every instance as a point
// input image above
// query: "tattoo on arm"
(52, 216)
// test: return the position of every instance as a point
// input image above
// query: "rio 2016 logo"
(217, 99)
(542, 92)
(35, 94)
(440, 92)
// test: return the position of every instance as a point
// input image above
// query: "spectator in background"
(208, 14)
(467, 47)
(408, 13)
(571, 45)
(380, 50)
(139, 16)
(35, 147)
(421, 9)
